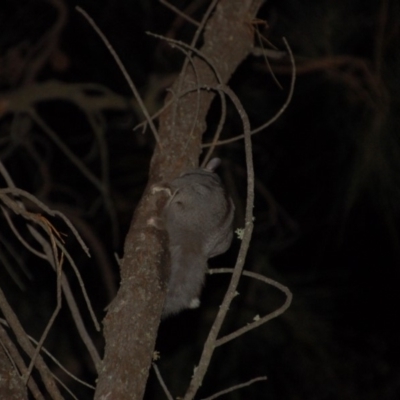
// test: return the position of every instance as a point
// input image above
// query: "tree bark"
(131, 325)
(11, 384)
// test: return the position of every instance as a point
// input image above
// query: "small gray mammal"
(198, 217)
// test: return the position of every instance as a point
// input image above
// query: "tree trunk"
(131, 325)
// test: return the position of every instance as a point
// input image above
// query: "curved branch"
(123, 70)
(257, 321)
(209, 345)
(279, 112)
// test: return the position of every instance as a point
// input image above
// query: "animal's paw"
(161, 187)
(156, 222)
(195, 303)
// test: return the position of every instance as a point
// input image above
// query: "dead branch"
(179, 12)
(209, 345)
(14, 354)
(24, 342)
(236, 387)
(49, 254)
(257, 320)
(278, 113)
(123, 70)
(4, 322)
(162, 383)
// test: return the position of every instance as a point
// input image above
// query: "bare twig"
(20, 363)
(290, 95)
(18, 236)
(220, 126)
(58, 263)
(123, 70)
(15, 255)
(90, 97)
(75, 312)
(97, 249)
(68, 153)
(198, 87)
(259, 37)
(259, 320)
(81, 284)
(41, 51)
(236, 387)
(179, 12)
(70, 374)
(23, 340)
(191, 49)
(9, 345)
(19, 208)
(209, 345)
(218, 131)
(277, 115)
(182, 46)
(162, 383)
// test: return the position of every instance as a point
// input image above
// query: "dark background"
(327, 189)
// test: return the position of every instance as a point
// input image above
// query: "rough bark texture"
(131, 324)
(11, 385)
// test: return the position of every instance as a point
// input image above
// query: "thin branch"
(16, 256)
(162, 383)
(40, 52)
(191, 48)
(48, 256)
(70, 374)
(68, 153)
(70, 299)
(81, 284)
(259, 38)
(19, 361)
(217, 132)
(23, 340)
(123, 70)
(56, 310)
(75, 312)
(257, 321)
(277, 115)
(209, 345)
(90, 97)
(181, 45)
(19, 237)
(65, 387)
(219, 127)
(179, 12)
(177, 43)
(236, 387)
(20, 210)
(16, 357)
(290, 95)
(80, 325)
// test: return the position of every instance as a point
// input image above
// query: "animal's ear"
(213, 164)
